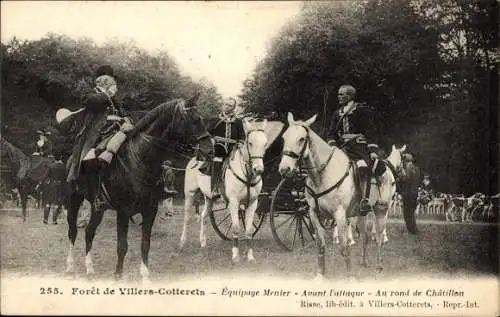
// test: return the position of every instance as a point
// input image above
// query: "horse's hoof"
(319, 278)
(352, 279)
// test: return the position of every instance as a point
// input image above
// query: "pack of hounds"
(451, 207)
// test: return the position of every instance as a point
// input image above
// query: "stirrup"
(364, 205)
(215, 195)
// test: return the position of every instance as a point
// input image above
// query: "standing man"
(408, 187)
(355, 130)
(54, 194)
(230, 127)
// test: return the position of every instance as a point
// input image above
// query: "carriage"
(281, 201)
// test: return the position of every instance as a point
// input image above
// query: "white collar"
(228, 117)
(349, 107)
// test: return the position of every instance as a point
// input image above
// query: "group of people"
(103, 126)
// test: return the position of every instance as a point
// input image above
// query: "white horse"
(332, 189)
(242, 183)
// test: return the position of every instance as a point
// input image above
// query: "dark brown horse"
(21, 171)
(130, 184)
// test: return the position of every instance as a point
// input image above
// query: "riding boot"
(214, 180)
(365, 175)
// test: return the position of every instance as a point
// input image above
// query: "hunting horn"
(64, 113)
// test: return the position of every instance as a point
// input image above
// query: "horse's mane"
(173, 110)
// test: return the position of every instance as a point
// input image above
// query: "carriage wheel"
(289, 217)
(290, 223)
(221, 219)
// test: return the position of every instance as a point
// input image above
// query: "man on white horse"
(230, 127)
(355, 124)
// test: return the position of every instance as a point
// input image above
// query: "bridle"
(247, 167)
(299, 156)
(249, 163)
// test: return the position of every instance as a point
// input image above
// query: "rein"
(135, 159)
(320, 169)
(247, 180)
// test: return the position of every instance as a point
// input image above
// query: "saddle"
(356, 161)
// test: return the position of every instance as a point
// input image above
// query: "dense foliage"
(429, 67)
(39, 77)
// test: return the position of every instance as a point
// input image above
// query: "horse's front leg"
(380, 210)
(23, 196)
(341, 220)
(208, 207)
(335, 234)
(365, 239)
(321, 242)
(249, 215)
(148, 216)
(122, 222)
(188, 216)
(95, 220)
(233, 208)
(75, 201)
(351, 223)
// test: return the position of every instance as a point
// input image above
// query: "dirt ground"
(444, 250)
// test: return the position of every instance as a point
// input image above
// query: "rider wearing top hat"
(228, 126)
(43, 146)
(102, 118)
(355, 130)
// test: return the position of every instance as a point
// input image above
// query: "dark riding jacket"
(98, 124)
(357, 130)
(45, 149)
(230, 127)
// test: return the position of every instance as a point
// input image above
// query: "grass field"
(444, 250)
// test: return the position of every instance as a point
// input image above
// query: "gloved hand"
(126, 126)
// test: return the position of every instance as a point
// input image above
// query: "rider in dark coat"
(355, 130)
(43, 146)
(229, 126)
(102, 117)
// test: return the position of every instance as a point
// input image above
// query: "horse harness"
(311, 192)
(248, 175)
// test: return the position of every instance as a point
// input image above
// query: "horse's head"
(396, 159)
(172, 122)
(255, 144)
(295, 144)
